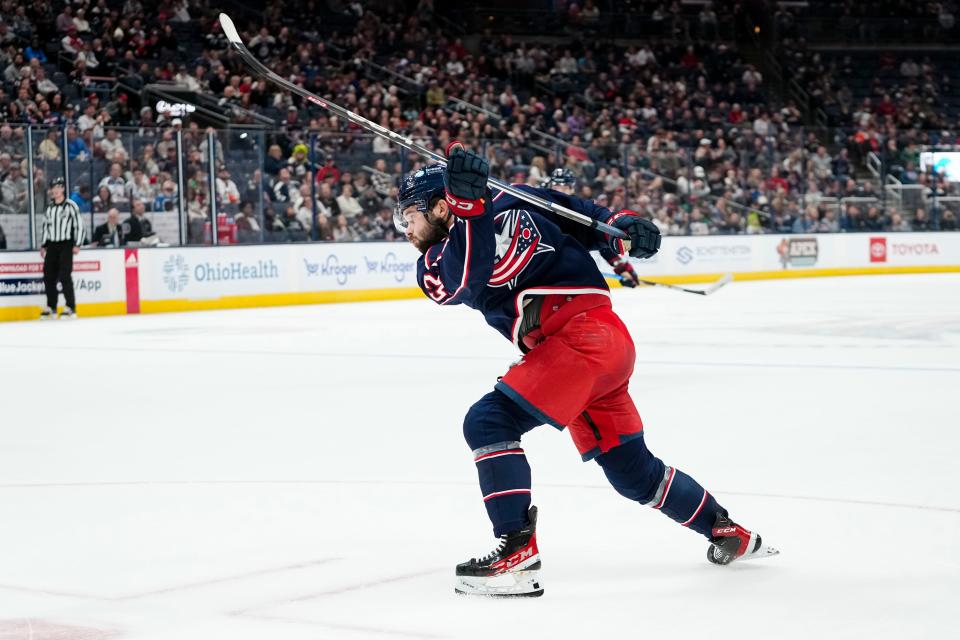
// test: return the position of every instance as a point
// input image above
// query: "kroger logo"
(331, 268)
(390, 264)
(176, 273)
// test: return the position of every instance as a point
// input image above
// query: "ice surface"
(300, 472)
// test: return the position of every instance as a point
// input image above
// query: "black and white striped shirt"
(62, 222)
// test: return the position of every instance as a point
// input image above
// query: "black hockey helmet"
(418, 189)
(58, 182)
(562, 177)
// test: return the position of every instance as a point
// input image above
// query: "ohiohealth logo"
(331, 268)
(390, 265)
(176, 273)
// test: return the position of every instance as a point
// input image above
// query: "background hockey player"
(530, 274)
(564, 181)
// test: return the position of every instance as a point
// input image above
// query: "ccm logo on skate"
(724, 530)
(514, 560)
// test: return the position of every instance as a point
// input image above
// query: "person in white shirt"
(644, 57)
(227, 191)
(44, 84)
(909, 68)
(751, 76)
(116, 184)
(88, 119)
(349, 206)
(567, 64)
(264, 41)
(305, 210)
(70, 42)
(761, 126)
(139, 188)
(180, 13)
(88, 57)
(184, 78)
(454, 66)
(80, 22)
(112, 144)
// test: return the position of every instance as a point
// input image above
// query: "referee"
(60, 238)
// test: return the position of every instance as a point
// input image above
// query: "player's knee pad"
(632, 470)
(479, 430)
(494, 418)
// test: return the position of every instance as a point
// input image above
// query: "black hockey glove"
(643, 236)
(465, 180)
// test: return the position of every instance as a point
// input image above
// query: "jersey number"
(435, 288)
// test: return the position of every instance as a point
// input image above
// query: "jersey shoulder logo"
(518, 241)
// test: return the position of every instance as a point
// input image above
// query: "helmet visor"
(406, 210)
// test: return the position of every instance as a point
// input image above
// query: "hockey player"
(564, 181)
(530, 274)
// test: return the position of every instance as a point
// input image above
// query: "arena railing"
(224, 186)
(879, 31)
(630, 24)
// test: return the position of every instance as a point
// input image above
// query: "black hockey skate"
(510, 570)
(732, 542)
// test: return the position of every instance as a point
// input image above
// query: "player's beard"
(435, 233)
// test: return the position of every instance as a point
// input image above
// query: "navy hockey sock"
(682, 499)
(492, 428)
(505, 482)
(638, 475)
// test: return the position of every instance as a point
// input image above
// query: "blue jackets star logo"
(518, 241)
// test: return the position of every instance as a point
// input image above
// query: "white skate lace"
(493, 554)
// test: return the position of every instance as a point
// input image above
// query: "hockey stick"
(230, 31)
(703, 292)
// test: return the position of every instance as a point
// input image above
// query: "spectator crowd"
(683, 130)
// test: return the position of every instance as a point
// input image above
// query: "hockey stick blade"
(700, 292)
(230, 31)
(727, 278)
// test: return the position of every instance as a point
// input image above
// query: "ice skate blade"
(515, 584)
(763, 552)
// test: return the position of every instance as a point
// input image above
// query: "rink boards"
(152, 280)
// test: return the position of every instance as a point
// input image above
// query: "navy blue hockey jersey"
(515, 249)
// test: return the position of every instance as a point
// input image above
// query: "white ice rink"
(300, 472)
